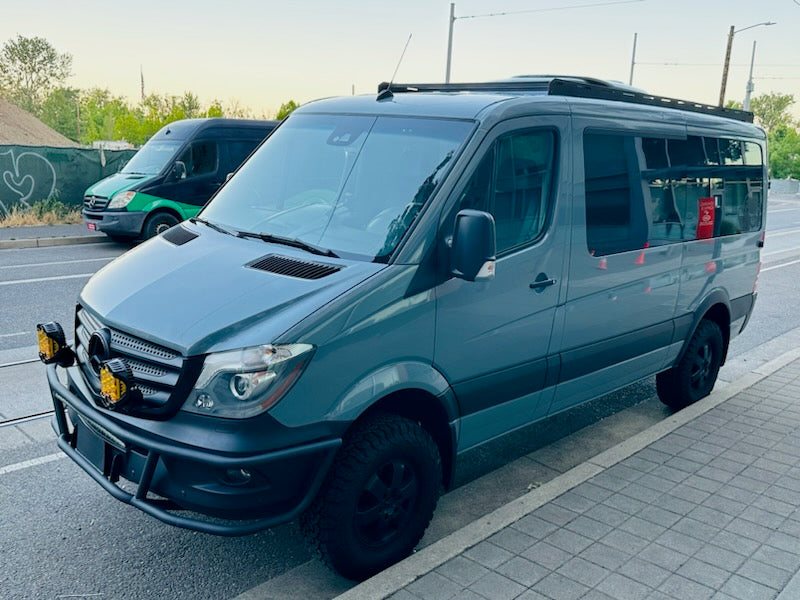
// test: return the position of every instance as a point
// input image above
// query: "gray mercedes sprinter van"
(392, 280)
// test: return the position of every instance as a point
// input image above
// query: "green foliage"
(29, 69)
(215, 109)
(734, 104)
(285, 110)
(60, 110)
(771, 110)
(784, 152)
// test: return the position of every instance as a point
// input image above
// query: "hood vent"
(292, 267)
(178, 235)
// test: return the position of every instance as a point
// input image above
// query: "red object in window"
(705, 221)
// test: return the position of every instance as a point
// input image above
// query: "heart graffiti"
(28, 176)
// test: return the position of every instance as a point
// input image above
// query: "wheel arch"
(716, 307)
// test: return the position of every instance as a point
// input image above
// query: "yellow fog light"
(116, 383)
(53, 345)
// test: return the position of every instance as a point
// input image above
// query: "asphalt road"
(62, 536)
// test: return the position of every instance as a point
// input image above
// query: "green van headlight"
(121, 200)
(243, 383)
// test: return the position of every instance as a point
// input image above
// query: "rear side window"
(200, 158)
(238, 150)
(512, 183)
(646, 191)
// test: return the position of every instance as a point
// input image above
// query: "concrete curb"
(398, 576)
(48, 242)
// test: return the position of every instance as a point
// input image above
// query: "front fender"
(386, 380)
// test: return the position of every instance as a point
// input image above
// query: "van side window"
(200, 158)
(238, 150)
(644, 191)
(513, 183)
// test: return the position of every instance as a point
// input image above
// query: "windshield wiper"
(287, 241)
(215, 227)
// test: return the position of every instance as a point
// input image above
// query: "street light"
(750, 86)
(731, 33)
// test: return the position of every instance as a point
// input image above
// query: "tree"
(285, 110)
(784, 153)
(61, 110)
(771, 110)
(29, 69)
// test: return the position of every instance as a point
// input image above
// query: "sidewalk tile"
(546, 555)
(560, 587)
(787, 561)
(488, 555)
(555, 514)
(433, 586)
(665, 557)
(625, 504)
(523, 571)
(659, 516)
(765, 574)
(605, 556)
(676, 540)
(513, 540)
(720, 557)
(497, 587)
(644, 572)
(627, 542)
(592, 492)
(582, 571)
(678, 586)
(534, 526)
(745, 589)
(606, 514)
(574, 502)
(763, 517)
(704, 573)
(736, 543)
(589, 527)
(623, 588)
(462, 570)
(532, 595)
(568, 541)
(696, 529)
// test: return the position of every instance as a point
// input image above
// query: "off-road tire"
(388, 469)
(695, 375)
(158, 223)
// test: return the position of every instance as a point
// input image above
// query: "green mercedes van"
(171, 177)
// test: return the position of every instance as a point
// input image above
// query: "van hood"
(203, 296)
(118, 182)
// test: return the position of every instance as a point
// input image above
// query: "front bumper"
(283, 483)
(119, 222)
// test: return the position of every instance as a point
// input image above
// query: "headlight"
(243, 383)
(121, 200)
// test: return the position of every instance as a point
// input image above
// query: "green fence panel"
(31, 173)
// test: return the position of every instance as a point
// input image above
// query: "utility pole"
(633, 58)
(750, 86)
(725, 67)
(450, 41)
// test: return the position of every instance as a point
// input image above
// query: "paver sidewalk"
(711, 510)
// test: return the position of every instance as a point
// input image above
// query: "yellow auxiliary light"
(116, 383)
(53, 345)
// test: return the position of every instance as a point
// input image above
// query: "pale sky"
(263, 53)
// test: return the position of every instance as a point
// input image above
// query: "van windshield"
(351, 184)
(152, 157)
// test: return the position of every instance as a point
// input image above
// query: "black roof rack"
(578, 87)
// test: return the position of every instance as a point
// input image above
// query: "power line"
(678, 64)
(533, 10)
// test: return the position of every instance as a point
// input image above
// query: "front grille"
(155, 368)
(95, 202)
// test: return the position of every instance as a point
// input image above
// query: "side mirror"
(179, 170)
(472, 252)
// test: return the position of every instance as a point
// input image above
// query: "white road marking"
(59, 262)
(780, 233)
(31, 463)
(38, 279)
(793, 262)
(5, 335)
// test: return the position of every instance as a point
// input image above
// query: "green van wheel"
(158, 223)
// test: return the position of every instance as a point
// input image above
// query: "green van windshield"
(152, 157)
(352, 184)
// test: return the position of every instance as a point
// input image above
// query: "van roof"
(185, 128)
(551, 93)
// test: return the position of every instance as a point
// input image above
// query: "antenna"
(387, 93)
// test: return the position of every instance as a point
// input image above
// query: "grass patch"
(42, 212)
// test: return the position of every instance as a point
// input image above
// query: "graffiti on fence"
(28, 176)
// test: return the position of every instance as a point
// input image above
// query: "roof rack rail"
(577, 87)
